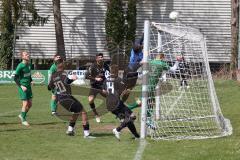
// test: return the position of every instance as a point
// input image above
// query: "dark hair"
(99, 54)
(57, 55)
(59, 61)
(114, 69)
(137, 47)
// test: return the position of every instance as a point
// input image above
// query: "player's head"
(60, 65)
(179, 58)
(160, 56)
(57, 57)
(25, 56)
(114, 70)
(99, 58)
(137, 47)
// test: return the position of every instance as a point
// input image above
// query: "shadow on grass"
(103, 134)
(46, 123)
(10, 123)
(14, 130)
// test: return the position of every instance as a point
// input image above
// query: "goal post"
(145, 79)
(179, 100)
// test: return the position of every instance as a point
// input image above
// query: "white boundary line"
(141, 148)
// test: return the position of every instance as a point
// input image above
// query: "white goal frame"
(193, 35)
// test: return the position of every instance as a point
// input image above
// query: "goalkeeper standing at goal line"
(156, 67)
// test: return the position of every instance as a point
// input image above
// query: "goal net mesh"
(182, 102)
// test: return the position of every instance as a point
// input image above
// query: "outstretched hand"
(74, 77)
(179, 58)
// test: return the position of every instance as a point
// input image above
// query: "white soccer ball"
(174, 15)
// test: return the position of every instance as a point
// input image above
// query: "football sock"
(53, 105)
(86, 129)
(24, 114)
(72, 124)
(133, 129)
(86, 126)
(92, 105)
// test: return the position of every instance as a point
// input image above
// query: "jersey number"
(110, 87)
(60, 86)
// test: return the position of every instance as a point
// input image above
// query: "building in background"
(84, 31)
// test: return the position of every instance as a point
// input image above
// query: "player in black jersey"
(96, 75)
(183, 73)
(61, 84)
(116, 88)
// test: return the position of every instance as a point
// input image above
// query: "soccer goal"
(183, 104)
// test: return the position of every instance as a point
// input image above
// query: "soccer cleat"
(54, 113)
(116, 133)
(25, 123)
(98, 120)
(70, 133)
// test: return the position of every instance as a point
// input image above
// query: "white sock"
(70, 128)
(86, 132)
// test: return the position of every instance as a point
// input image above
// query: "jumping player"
(115, 88)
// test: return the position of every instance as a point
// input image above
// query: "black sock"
(133, 129)
(93, 107)
(86, 127)
(72, 124)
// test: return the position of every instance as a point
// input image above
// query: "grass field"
(46, 139)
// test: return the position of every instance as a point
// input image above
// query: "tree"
(58, 27)
(6, 39)
(14, 13)
(131, 19)
(131, 25)
(114, 23)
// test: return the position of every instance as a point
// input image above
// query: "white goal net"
(179, 99)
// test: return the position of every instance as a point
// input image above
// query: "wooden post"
(234, 32)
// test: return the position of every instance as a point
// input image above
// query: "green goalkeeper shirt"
(156, 67)
(23, 71)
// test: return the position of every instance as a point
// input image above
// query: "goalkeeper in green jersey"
(156, 68)
(52, 70)
(23, 80)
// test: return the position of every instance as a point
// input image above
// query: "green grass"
(46, 139)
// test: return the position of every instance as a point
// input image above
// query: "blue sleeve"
(141, 56)
(132, 56)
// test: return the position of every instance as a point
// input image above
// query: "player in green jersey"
(52, 70)
(23, 80)
(156, 68)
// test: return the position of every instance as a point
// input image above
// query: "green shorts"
(25, 95)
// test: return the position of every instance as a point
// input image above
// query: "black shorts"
(95, 90)
(70, 103)
(122, 111)
(130, 78)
